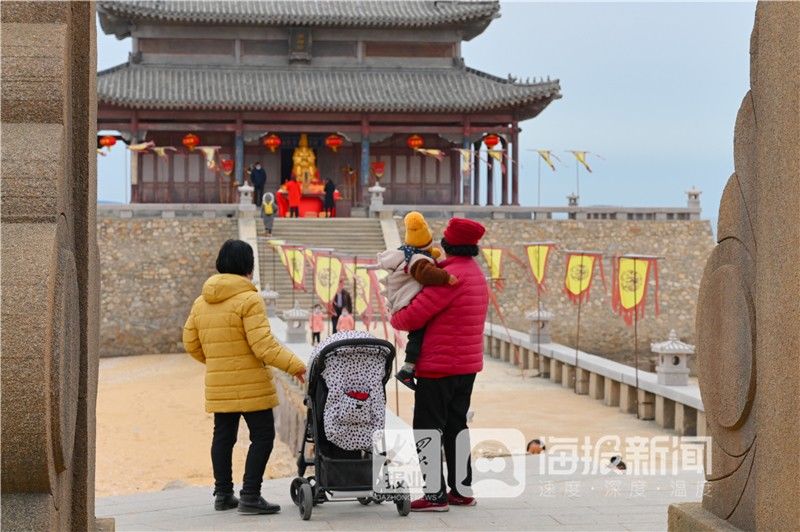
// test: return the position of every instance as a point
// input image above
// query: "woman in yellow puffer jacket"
(228, 331)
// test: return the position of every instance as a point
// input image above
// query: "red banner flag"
(580, 273)
(629, 290)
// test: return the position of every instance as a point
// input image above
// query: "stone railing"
(543, 213)
(672, 407)
(168, 210)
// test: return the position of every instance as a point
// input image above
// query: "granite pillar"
(50, 310)
(748, 344)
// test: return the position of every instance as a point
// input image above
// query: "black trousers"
(334, 322)
(442, 404)
(258, 192)
(315, 338)
(414, 345)
(262, 435)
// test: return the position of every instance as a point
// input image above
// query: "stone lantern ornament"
(270, 298)
(296, 320)
(540, 325)
(673, 357)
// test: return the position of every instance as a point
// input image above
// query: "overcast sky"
(651, 87)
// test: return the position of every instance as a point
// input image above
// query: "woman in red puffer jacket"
(452, 354)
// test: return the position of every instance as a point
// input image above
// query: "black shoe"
(407, 378)
(225, 501)
(256, 505)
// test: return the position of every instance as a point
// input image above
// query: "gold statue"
(305, 168)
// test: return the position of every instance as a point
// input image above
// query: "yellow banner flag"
(548, 156)
(579, 275)
(277, 246)
(327, 272)
(295, 265)
(497, 155)
(493, 257)
(537, 260)
(631, 276)
(363, 284)
(580, 156)
(466, 160)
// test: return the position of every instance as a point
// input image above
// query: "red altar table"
(311, 204)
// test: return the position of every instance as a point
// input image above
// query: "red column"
(489, 181)
(515, 164)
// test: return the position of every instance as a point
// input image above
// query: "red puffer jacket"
(454, 317)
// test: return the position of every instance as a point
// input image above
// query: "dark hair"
(538, 442)
(468, 250)
(236, 257)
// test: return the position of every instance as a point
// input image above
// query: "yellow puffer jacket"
(228, 331)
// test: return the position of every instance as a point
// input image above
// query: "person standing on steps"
(259, 178)
(330, 202)
(295, 193)
(268, 211)
(341, 300)
(227, 330)
(453, 316)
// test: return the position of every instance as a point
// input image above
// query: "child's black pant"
(315, 338)
(262, 436)
(414, 345)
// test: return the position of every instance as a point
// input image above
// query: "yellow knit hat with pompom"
(418, 234)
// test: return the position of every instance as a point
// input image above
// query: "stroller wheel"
(306, 504)
(377, 501)
(364, 500)
(404, 506)
(294, 489)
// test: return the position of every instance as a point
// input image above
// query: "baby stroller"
(346, 403)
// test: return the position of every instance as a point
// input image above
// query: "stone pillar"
(645, 403)
(465, 176)
(596, 386)
(582, 381)
(748, 344)
(555, 370)
(504, 174)
(489, 181)
(364, 160)
(665, 412)
(50, 278)
(627, 399)
(611, 392)
(685, 420)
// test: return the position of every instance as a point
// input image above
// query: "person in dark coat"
(259, 178)
(341, 300)
(330, 203)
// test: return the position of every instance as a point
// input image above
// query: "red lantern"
(107, 141)
(227, 166)
(333, 142)
(491, 140)
(191, 141)
(415, 141)
(378, 168)
(272, 142)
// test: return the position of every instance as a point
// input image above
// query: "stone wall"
(684, 244)
(151, 272)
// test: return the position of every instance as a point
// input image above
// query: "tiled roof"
(672, 345)
(341, 13)
(312, 89)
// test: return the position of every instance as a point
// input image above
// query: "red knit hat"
(463, 232)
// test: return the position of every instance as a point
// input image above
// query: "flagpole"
(577, 179)
(636, 337)
(294, 265)
(578, 330)
(355, 286)
(539, 184)
(330, 286)
(539, 304)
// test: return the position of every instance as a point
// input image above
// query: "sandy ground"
(153, 432)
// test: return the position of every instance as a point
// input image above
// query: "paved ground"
(600, 502)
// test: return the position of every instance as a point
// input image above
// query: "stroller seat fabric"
(355, 406)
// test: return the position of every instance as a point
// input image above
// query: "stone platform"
(553, 502)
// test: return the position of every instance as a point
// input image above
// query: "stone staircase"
(361, 237)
